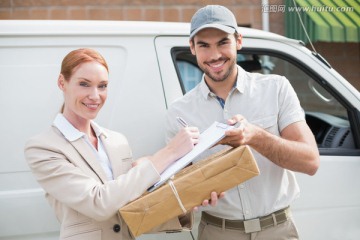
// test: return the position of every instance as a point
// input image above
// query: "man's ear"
(61, 82)
(192, 46)
(239, 42)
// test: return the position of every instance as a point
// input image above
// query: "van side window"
(325, 114)
(191, 73)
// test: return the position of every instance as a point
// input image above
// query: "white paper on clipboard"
(207, 139)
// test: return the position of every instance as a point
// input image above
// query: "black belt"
(252, 225)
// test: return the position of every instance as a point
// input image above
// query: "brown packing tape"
(219, 173)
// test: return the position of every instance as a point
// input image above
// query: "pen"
(182, 122)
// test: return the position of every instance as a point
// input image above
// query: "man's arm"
(295, 150)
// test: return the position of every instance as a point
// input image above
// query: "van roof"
(85, 27)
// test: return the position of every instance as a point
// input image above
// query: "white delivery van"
(150, 66)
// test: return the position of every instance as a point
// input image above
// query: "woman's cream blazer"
(85, 203)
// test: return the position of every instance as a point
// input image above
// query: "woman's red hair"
(76, 57)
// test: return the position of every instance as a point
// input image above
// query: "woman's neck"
(81, 124)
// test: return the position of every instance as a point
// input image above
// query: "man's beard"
(220, 78)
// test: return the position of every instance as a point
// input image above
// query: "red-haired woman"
(87, 171)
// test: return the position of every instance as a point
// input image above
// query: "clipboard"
(207, 139)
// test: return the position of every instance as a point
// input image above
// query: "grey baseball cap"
(213, 16)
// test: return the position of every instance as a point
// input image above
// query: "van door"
(169, 73)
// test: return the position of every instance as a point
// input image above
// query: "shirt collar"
(97, 129)
(70, 132)
(240, 81)
(204, 88)
(239, 85)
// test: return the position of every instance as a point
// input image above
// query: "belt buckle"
(252, 225)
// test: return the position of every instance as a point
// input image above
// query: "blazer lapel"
(87, 153)
(120, 158)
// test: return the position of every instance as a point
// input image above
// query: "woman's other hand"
(183, 142)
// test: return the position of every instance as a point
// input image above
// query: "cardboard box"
(193, 184)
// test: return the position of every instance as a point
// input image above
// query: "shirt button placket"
(226, 113)
(244, 200)
(227, 107)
